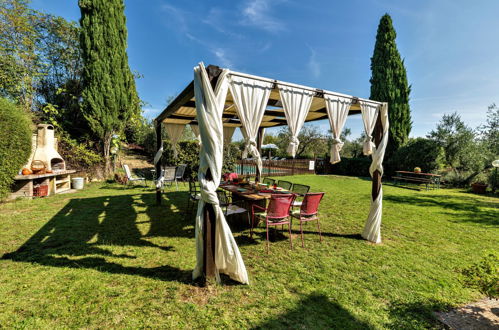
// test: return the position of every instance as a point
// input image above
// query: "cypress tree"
(109, 94)
(389, 84)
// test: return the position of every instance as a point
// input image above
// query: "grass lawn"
(109, 257)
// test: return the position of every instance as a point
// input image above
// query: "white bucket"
(77, 183)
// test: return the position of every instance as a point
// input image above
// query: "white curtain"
(174, 132)
(296, 104)
(228, 133)
(195, 130)
(209, 109)
(369, 115)
(250, 97)
(372, 228)
(337, 111)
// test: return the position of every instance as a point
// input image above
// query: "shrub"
(15, 143)
(483, 275)
(76, 155)
(348, 166)
(420, 152)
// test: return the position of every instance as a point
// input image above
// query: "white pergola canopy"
(218, 99)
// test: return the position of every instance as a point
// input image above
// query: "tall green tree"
(389, 84)
(109, 94)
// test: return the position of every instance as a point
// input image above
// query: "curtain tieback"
(250, 148)
(369, 145)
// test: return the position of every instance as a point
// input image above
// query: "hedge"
(15, 143)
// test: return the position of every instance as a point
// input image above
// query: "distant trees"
(389, 84)
(312, 142)
(109, 93)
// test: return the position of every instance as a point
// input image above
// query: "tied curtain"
(337, 111)
(174, 132)
(209, 109)
(372, 228)
(250, 97)
(228, 133)
(296, 104)
(369, 112)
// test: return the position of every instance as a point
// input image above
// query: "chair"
(300, 190)
(168, 175)
(276, 213)
(230, 207)
(286, 185)
(268, 181)
(308, 212)
(131, 178)
(179, 174)
(194, 196)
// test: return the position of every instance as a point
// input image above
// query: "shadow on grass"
(77, 235)
(464, 208)
(418, 314)
(315, 311)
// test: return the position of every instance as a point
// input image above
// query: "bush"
(76, 155)
(348, 166)
(483, 275)
(15, 143)
(420, 152)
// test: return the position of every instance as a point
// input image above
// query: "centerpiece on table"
(417, 169)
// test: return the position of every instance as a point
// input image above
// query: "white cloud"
(313, 65)
(256, 13)
(221, 55)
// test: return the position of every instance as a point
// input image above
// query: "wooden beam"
(158, 127)
(185, 96)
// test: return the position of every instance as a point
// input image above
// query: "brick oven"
(45, 149)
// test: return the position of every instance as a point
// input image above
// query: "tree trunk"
(106, 144)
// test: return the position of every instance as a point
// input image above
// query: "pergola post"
(378, 135)
(158, 126)
(259, 140)
(209, 223)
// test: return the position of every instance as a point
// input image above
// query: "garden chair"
(300, 190)
(194, 196)
(230, 207)
(309, 212)
(179, 174)
(286, 185)
(268, 181)
(277, 213)
(168, 176)
(131, 178)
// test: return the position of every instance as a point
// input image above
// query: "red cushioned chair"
(308, 212)
(277, 213)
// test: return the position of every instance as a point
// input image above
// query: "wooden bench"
(427, 182)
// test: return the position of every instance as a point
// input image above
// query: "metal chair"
(131, 178)
(167, 176)
(231, 207)
(179, 174)
(300, 190)
(277, 213)
(286, 185)
(309, 212)
(194, 197)
(268, 181)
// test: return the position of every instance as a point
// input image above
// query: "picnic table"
(428, 179)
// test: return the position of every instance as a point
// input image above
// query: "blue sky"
(450, 47)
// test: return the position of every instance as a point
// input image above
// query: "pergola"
(182, 111)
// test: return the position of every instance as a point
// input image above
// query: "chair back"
(310, 204)
(194, 187)
(223, 200)
(127, 171)
(279, 205)
(284, 184)
(300, 189)
(179, 173)
(169, 173)
(269, 181)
